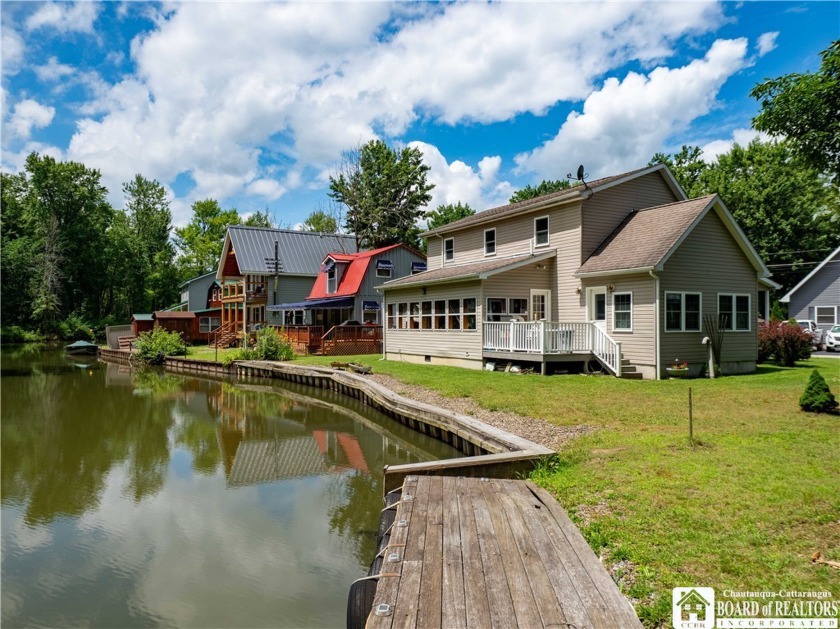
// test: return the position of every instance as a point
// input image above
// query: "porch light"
(578, 290)
(610, 287)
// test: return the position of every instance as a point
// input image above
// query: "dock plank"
(431, 585)
(408, 599)
(453, 605)
(475, 592)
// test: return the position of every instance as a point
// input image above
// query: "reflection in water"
(137, 498)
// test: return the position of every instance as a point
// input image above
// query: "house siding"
(454, 347)
(710, 262)
(198, 288)
(605, 210)
(434, 252)
(823, 289)
(401, 258)
(518, 283)
(290, 289)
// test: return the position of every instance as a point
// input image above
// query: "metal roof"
(300, 253)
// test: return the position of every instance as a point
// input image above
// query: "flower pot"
(677, 372)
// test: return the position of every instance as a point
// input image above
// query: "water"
(142, 498)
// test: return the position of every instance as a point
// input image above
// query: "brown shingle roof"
(645, 237)
(561, 195)
(465, 271)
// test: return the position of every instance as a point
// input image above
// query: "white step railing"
(553, 337)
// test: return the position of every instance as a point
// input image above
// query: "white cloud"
(13, 51)
(458, 182)
(713, 149)
(65, 17)
(29, 114)
(14, 161)
(625, 122)
(53, 70)
(766, 42)
(267, 188)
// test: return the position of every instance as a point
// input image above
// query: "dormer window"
(541, 231)
(449, 249)
(490, 242)
(329, 269)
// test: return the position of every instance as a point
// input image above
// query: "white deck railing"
(553, 337)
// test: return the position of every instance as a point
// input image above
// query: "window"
(454, 314)
(489, 242)
(623, 312)
(734, 312)
(469, 314)
(517, 306)
(426, 315)
(496, 308)
(449, 249)
(418, 267)
(541, 231)
(414, 319)
(208, 324)
(825, 315)
(392, 319)
(682, 312)
(403, 316)
(384, 268)
(331, 277)
(294, 317)
(440, 315)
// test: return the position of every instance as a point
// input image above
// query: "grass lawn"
(204, 352)
(744, 510)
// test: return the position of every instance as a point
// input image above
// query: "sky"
(254, 103)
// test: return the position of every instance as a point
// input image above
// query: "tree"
(687, 166)
(200, 241)
(320, 221)
(384, 191)
(259, 219)
(804, 109)
(545, 187)
(448, 213)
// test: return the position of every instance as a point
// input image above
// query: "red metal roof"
(351, 281)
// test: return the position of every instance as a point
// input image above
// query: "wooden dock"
(470, 552)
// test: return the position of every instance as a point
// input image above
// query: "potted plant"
(678, 369)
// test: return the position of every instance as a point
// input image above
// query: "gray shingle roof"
(574, 192)
(645, 237)
(301, 252)
(466, 271)
(267, 460)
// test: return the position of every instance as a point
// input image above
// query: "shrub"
(818, 398)
(272, 345)
(16, 334)
(75, 328)
(153, 346)
(782, 342)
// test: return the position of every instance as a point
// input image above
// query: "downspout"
(656, 321)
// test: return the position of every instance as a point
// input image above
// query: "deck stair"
(127, 342)
(224, 335)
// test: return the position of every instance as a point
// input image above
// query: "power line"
(772, 266)
(781, 253)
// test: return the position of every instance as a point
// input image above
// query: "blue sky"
(253, 103)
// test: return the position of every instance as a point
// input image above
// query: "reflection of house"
(261, 267)
(622, 271)
(345, 291)
(817, 296)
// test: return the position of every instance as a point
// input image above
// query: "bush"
(153, 346)
(272, 345)
(242, 353)
(75, 328)
(818, 398)
(16, 334)
(783, 343)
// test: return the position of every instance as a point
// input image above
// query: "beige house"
(623, 272)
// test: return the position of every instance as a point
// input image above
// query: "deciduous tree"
(320, 221)
(546, 186)
(200, 241)
(448, 213)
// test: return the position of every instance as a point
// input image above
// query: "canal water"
(139, 498)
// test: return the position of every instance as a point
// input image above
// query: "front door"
(597, 307)
(540, 305)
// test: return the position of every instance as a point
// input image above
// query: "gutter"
(634, 271)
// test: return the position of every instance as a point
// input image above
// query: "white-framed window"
(470, 318)
(331, 280)
(825, 315)
(402, 309)
(518, 306)
(391, 316)
(439, 318)
(683, 312)
(623, 312)
(426, 315)
(294, 317)
(440, 314)
(490, 242)
(414, 315)
(734, 312)
(541, 231)
(208, 324)
(496, 308)
(449, 249)
(384, 268)
(454, 311)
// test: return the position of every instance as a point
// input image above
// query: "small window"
(440, 315)
(623, 312)
(454, 318)
(825, 315)
(541, 231)
(470, 322)
(392, 319)
(496, 308)
(449, 249)
(331, 277)
(734, 312)
(489, 242)
(517, 306)
(384, 268)
(682, 312)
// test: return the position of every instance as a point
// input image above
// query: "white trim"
(682, 295)
(445, 240)
(495, 244)
(547, 294)
(633, 271)
(817, 315)
(622, 330)
(547, 231)
(786, 298)
(734, 297)
(768, 282)
(657, 327)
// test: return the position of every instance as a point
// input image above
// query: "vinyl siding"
(823, 289)
(401, 258)
(454, 344)
(198, 289)
(290, 289)
(605, 210)
(709, 261)
(518, 283)
(434, 248)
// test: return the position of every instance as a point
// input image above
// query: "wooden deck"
(469, 552)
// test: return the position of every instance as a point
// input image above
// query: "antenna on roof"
(581, 175)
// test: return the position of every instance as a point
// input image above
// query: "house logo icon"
(694, 608)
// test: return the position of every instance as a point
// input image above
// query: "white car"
(811, 328)
(832, 339)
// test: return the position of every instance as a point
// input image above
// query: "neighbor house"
(202, 296)
(624, 272)
(345, 292)
(817, 296)
(262, 267)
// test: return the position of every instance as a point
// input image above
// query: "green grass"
(203, 352)
(744, 509)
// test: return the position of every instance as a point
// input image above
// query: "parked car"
(832, 339)
(817, 335)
